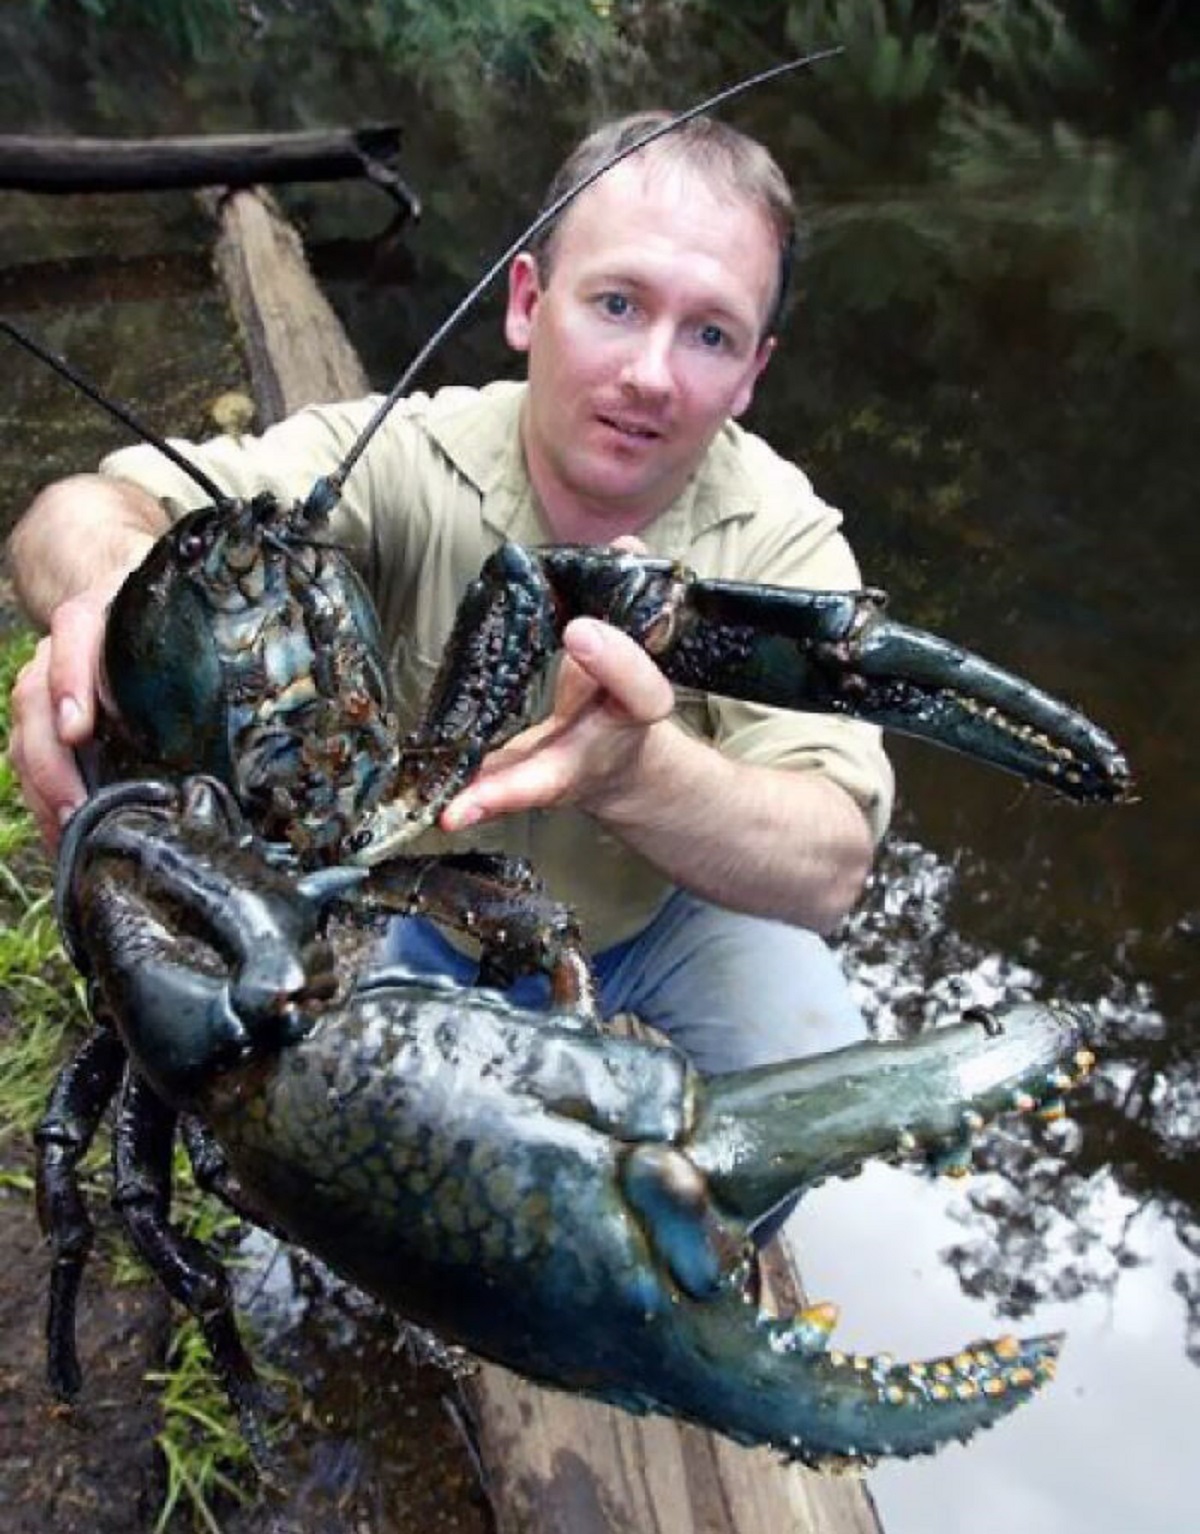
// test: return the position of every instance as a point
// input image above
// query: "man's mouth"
(636, 431)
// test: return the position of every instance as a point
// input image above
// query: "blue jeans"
(729, 990)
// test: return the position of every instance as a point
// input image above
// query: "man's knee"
(742, 991)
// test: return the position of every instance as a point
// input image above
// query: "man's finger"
(46, 768)
(539, 780)
(76, 632)
(619, 666)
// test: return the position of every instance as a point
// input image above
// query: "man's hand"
(54, 704)
(785, 844)
(68, 555)
(609, 698)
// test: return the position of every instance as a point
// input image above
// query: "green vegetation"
(507, 37)
(1044, 61)
(510, 38)
(204, 1452)
(191, 28)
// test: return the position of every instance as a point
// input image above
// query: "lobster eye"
(192, 546)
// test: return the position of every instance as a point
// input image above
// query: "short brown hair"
(728, 160)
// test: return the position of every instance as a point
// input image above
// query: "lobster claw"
(832, 652)
(839, 653)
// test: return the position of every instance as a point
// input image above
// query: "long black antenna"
(326, 493)
(126, 418)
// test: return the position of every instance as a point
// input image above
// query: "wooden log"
(558, 1464)
(30, 163)
(551, 1463)
(297, 352)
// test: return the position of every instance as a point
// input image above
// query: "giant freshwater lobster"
(579, 1206)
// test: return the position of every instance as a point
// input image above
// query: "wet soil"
(95, 1468)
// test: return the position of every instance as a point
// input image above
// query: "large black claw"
(809, 651)
(837, 652)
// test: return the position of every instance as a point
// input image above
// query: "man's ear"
(524, 292)
(766, 350)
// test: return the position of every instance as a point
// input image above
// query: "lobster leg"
(808, 651)
(210, 1168)
(497, 900)
(84, 1088)
(142, 1143)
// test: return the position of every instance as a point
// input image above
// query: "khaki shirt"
(442, 486)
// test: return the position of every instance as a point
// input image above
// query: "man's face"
(644, 340)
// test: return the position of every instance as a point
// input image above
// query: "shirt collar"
(720, 491)
(480, 433)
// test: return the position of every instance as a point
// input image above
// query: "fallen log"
(295, 347)
(550, 1463)
(35, 163)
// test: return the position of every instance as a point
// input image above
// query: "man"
(705, 845)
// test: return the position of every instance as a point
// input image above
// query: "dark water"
(993, 370)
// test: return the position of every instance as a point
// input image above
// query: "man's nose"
(648, 366)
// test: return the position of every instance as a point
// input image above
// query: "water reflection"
(373, 1438)
(1104, 1449)
(1046, 1196)
(1047, 1237)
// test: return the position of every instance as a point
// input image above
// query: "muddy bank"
(94, 1469)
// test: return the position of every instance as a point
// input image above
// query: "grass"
(204, 1455)
(203, 1450)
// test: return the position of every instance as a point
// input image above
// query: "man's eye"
(615, 304)
(712, 336)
